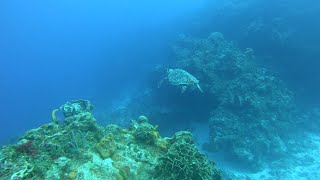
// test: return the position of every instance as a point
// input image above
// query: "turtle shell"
(180, 77)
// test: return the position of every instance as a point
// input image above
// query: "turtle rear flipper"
(183, 89)
(199, 88)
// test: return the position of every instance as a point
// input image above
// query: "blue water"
(55, 51)
(52, 52)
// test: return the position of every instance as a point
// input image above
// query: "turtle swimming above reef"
(180, 77)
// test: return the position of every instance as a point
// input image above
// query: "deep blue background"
(55, 51)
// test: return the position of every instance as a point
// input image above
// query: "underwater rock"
(76, 107)
(81, 149)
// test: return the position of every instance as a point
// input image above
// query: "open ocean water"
(242, 76)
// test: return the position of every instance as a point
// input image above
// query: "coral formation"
(143, 131)
(184, 161)
(76, 107)
(254, 109)
(79, 148)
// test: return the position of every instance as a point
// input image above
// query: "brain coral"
(184, 161)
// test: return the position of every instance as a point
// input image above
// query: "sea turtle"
(180, 77)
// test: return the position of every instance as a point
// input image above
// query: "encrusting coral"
(79, 148)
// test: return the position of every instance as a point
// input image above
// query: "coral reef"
(286, 39)
(250, 112)
(79, 148)
(253, 117)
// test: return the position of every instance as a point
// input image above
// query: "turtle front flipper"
(199, 88)
(161, 82)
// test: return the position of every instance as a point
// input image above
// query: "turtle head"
(169, 70)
